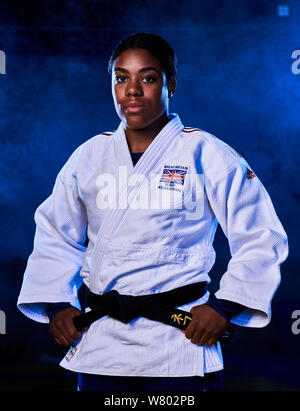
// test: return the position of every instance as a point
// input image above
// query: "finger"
(197, 336)
(70, 330)
(55, 334)
(63, 333)
(205, 338)
(211, 342)
(189, 332)
(67, 328)
(71, 337)
(61, 340)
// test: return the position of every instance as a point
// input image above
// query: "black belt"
(156, 307)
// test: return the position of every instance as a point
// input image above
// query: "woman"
(139, 246)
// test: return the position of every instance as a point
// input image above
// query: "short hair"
(156, 45)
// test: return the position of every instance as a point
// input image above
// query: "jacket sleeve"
(53, 269)
(257, 241)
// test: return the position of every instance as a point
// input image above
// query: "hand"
(206, 327)
(62, 329)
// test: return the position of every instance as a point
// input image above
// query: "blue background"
(235, 80)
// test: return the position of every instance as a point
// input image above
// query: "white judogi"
(147, 235)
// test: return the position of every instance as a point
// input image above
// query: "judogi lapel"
(142, 170)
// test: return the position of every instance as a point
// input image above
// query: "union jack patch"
(173, 175)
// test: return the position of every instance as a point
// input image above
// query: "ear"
(172, 87)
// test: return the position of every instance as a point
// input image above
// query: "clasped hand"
(206, 327)
(62, 328)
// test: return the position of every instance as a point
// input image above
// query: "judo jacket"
(150, 228)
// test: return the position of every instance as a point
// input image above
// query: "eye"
(120, 79)
(149, 79)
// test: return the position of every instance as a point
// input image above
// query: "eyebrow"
(142, 70)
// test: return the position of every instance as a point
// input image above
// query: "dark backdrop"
(235, 81)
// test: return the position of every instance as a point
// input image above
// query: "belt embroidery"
(178, 318)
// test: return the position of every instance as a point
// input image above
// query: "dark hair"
(156, 45)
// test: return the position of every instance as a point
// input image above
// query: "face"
(139, 88)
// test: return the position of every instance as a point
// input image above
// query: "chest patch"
(173, 178)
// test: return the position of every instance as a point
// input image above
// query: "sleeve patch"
(250, 174)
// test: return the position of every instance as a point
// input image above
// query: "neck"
(139, 139)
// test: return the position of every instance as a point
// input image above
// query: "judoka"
(135, 211)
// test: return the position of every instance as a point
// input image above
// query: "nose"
(133, 88)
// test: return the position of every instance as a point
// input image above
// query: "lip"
(134, 109)
(133, 104)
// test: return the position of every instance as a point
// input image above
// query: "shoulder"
(217, 157)
(96, 143)
(99, 139)
(86, 153)
(210, 142)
